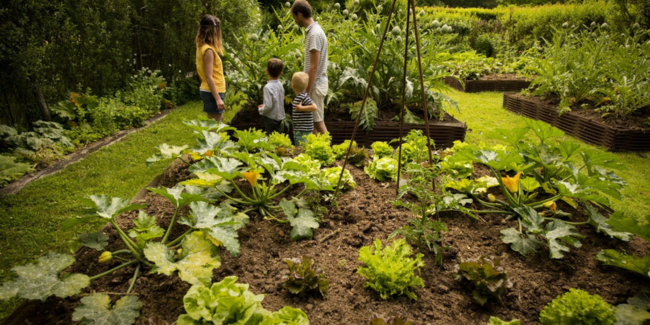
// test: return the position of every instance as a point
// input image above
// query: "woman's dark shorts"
(210, 104)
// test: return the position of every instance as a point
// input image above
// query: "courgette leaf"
(97, 310)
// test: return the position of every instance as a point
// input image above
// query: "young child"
(209, 45)
(303, 106)
(272, 110)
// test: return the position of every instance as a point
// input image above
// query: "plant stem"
(135, 277)
(122, 251)
(231, 198)
(127, 241)
(244, 196)
(173, 242)
(171, 225)
(490, 211)
(283, 190)
(112, 270)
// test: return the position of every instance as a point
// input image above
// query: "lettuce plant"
(486, 277)
(389, 320)
(391, 270)
(228, 302)
(318, 147)
(357, 155)
(305, 277)
(578, 307)
(381, 149)
(383, 169)
(497, 321)
(332, 175)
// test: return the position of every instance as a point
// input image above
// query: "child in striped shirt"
(303, 106)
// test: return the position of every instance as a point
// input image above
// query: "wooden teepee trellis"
(410, 14)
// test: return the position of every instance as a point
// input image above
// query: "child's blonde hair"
(300, 81)
(209, 33)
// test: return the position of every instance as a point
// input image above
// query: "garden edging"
(475, 86)
(583, 128)
(72, 158)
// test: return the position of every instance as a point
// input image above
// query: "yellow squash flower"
(551, 205)
(512, 183)
(105, 257)
(251, 176)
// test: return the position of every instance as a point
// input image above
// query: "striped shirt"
(273, 107)
(302, 121)
(316, 40)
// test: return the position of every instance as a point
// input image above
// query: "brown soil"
(639, 120)
(363, 215)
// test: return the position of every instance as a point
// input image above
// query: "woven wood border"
(475, 86)
(589, 131)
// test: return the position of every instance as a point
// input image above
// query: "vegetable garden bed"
(579, 126)
(475, 86)
(363, 215)
(443, 133)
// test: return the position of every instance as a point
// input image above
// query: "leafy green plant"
(486, 278)
(389, 320)
(332, 175)
(381, 149)
(636, 226)
(305, 277)
(319, 148)
(383, 169)
(98, 310)
(11, 170)
(635, 311)
(578, 307)
(282, 144)
(228, 302)
(357, 155)
(497, 321)
(391, 270)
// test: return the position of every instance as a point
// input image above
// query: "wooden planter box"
(583, 128)
(475, 86)
(443, 133)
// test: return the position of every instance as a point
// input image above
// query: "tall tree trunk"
(43, 105)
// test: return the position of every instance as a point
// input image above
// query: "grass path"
(31, 219)
(30, 222)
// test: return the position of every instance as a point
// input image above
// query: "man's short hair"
(274, 66)
(300, 81)
(303, 7)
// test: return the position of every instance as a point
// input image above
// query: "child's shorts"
(210, 104)
(300, 137)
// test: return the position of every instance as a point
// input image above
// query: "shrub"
(391, 271)
(578, 307)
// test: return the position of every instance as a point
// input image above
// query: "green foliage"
(224, 302)
(318, 147)
(305, 277)
(11, 170)
(96, 240)
(44, 279)
(357, 155)
(486, 278)
(332, 175)
(286, 316)
(628, 224)
(381, 149)
(252, 140)
(578, 307)
(391, 271)
(383, 169)
(341, 149)
(301, 219)
(97, 310)
(194, 261)
(496, 321)
(282, 144)
(368, 116)
(425, 233)
(635, 311)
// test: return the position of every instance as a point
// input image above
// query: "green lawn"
(31, 219)
(29, 226)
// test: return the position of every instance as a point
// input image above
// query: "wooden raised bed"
(581, 127)
(443, 133)
(475, 86)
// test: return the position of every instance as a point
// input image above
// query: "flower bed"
(581, 127)
(475, 86)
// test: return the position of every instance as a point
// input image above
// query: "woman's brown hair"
(209, 33)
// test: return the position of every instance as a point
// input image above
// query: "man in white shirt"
(315, 61)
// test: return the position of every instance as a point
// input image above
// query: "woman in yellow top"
(209, 45)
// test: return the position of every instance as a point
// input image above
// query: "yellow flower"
(251, 176)
(105, 257)
(551, 205)
(512, 183)
(209, 153)
(491, 198)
